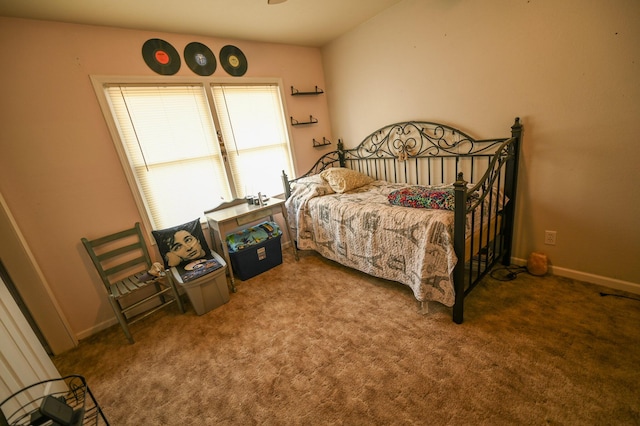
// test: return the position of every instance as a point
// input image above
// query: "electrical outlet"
(550, 238)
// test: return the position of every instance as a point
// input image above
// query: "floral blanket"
(362, 230)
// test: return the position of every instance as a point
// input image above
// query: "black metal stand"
(24, 406)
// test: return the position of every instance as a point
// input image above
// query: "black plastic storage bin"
(255, 250)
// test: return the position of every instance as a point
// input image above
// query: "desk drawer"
(252, 217)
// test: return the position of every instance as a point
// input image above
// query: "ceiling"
(298, 22)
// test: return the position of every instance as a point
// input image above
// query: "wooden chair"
(121, 259)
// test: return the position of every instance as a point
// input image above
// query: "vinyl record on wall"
(161, 56)
(233, 61)
(199, 58)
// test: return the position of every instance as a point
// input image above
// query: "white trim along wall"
(588, 278)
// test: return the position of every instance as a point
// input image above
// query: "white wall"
(569, 68)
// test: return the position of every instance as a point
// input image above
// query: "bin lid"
(251, 236)
(202, 268)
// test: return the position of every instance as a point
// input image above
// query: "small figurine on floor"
(156, 271)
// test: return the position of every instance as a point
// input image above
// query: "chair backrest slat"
(127, 265)
(106, 254)
(113, 237)
(102, 257)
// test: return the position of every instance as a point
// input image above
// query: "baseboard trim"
(96, 328)
(587, 277)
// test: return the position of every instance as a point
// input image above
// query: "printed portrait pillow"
(182, 244)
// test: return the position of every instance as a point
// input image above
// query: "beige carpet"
(311, 342)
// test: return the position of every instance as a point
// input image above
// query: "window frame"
(99, 82)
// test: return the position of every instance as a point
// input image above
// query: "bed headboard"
(426, 153)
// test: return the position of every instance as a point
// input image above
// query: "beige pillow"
(342, 180)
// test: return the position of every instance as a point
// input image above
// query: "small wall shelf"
(296, 92)
(323, 142)
(312, 120)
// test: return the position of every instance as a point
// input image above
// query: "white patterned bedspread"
(360, 229)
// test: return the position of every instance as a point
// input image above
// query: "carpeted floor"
(311, 342)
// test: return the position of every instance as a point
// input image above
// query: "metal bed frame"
(428, 153)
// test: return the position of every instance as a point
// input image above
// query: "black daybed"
(416, 202)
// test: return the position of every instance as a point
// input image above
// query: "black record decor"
(161, 56)
(199, 58)
(233, 61)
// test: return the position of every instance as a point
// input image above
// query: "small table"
(228, 217)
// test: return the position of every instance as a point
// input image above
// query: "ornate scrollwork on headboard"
(413, 139)
(425, 153)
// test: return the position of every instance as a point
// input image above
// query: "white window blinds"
(168, 134)
(170, 140)
(255, 134)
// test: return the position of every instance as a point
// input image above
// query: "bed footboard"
(497, 190)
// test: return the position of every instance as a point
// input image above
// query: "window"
(256, 136)
(191, 146)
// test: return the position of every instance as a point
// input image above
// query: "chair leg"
(121, 318)
(158, 288)
(174, 288)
